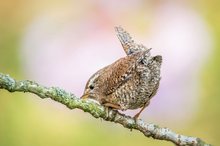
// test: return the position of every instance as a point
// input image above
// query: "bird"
(128, 83)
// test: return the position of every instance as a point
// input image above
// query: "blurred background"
(62, 43)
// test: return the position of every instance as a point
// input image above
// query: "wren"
(128, 83)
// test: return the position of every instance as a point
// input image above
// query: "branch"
(98, 111)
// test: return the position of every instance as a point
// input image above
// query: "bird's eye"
(91, 87)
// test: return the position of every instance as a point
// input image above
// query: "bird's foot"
(136, 117)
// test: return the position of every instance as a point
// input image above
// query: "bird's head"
(92, 87)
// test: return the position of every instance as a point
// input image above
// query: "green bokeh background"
(26, 120)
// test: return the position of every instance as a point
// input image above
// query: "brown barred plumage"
(128, 83)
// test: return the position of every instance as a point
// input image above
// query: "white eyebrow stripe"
(93, 79)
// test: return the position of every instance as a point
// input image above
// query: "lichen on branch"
(98, 111)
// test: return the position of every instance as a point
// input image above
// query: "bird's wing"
(127, 42)
(120, 72)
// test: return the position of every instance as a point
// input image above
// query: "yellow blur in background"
(62, 43)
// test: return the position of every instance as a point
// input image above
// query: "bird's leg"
(138, 114)
(114, 106)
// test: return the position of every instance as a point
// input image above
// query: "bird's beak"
(85, 96)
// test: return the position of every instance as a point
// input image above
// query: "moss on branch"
(98, 111)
